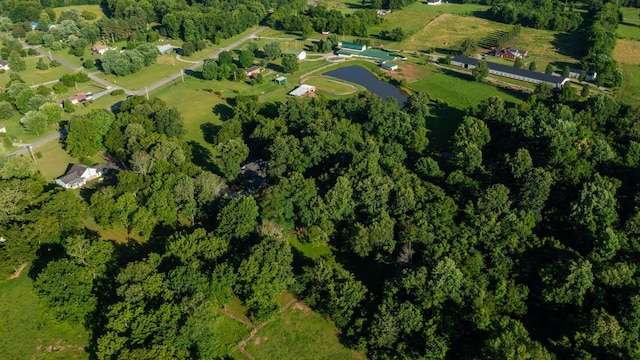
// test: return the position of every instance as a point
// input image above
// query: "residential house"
(512, 72)
(352, 46)
(78, 175)
(589, 75)
(388, 66)
(99, 49)
(252, 71)
(303, 90)
(511, 53)
(4, 65)
(301, 55)
(77, 98)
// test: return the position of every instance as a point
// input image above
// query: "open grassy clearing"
(630, 14)
(27, 332)
(299, 333)
(330, 86)
(459, 92)
(166, 65)
(410, 21)
(449, 30)
(72, 59)
(17, 133)
(54, 160)
(33, 76)
(545, 46)
(630, 90)
(627, 52)
(628, 30)
(96, 9)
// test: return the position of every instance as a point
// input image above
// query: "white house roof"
(302, 89)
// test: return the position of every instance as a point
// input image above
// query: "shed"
(4, 65)
(303, 90)
(280, 80)
(163, 49)
(99, 49)
(300, 54)
(345, 45)
(3, 129)
(589, 75)
(389, 65)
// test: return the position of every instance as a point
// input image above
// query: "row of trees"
(320, 19)
(129, 61)
(506, 37)
(547, 14)
(601, 35)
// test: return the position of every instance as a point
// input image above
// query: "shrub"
(31, 51)
(54, 63)
(117, 92)
(88, 15)
(39, 155)
(89, 64)
(7, 142)
(59, 88)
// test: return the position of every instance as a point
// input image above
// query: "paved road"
(35, 144)
(197, 64)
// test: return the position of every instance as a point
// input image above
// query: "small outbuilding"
(4, 65)
(3, 129)
(163, 49)
(280, 80)
(389, 66)
(303, 90)
(589, 75)
(300, 54)
(252, 71)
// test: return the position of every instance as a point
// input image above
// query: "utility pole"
(33, 157)
(182, 75)
(146, 89)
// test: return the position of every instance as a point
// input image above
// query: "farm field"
(629, 27)
(27, 332)
(627, 54)
(449, 30)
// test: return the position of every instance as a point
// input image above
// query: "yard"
(52, 161)
(33, 76)
(165, 66)
(96, 9)
(27, 332)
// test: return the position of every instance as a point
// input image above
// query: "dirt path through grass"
(254, 328)
(18, 271)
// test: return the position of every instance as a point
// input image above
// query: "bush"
(88, 15)
(7, 142)
(59, 88)
(43, 90)
(54, 63)
(117, 92)
(39, 155)
(31, 51)
(89, 64)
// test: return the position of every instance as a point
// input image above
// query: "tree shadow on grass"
(209, 132)
(224, 111)
(201, 156)
(275, 67)
(194, 74)
(570, 44)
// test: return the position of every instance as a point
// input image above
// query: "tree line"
(547, 14)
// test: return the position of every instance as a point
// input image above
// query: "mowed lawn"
(627, 54)
(33, 76)
(331, 86)
(96, 9)
(53, 161)
(28, 332)
(165, 66)
(448, 30)
(299, 333)
(459, 92)
(629, 28)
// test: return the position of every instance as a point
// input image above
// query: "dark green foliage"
(289, 63)
(480, 71)
(552, 15)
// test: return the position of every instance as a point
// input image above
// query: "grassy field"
(449, 30)
(166, 65)
(627, 52)
(33, 76)
(459, 92)
(27, 332)
(330, 86)
(54, 160)
(299, 333)
(96, 9)
(629, 28)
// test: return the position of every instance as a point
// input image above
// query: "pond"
(362, 76)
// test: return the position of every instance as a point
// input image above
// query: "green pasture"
(228, 333)
(165, 66)
(28, 332)
(96, 9)
(54, 160)
(629, 30)
(299, 333)
(630, 14)
(459, 92)
(630, 90)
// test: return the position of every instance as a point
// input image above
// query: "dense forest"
(521, 243)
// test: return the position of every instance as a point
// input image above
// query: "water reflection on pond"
(362, 76)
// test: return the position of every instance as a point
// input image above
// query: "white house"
(4, 65)
(301, 55)
(78, 175)
(99, 49)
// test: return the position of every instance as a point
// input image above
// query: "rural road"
(110, 86)
(25, 148)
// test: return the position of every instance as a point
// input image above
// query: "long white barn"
(512, 72)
